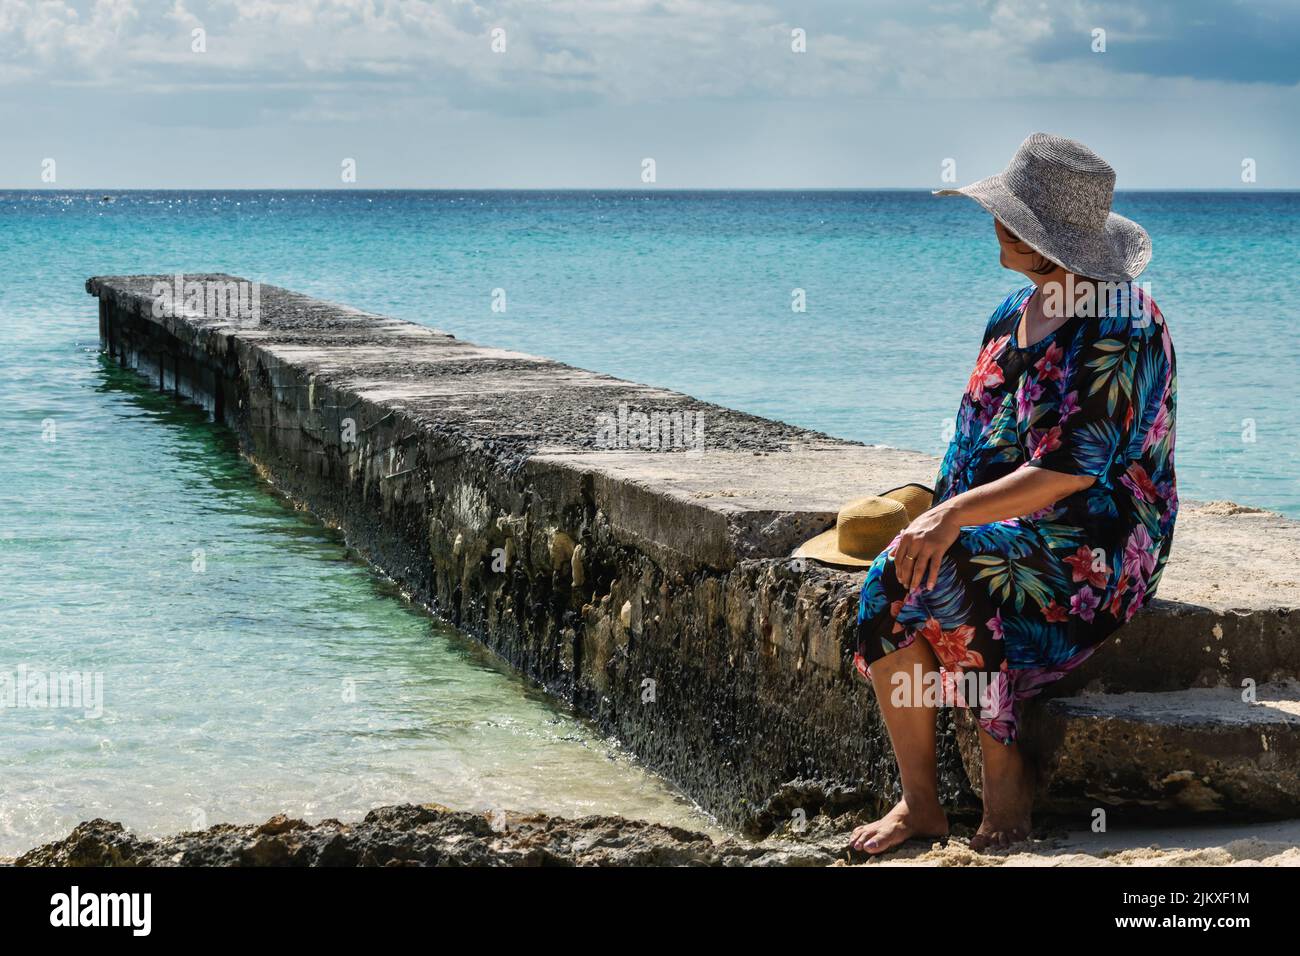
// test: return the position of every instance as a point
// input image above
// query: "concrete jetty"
(650, 588)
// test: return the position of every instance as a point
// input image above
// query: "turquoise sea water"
(284, 676)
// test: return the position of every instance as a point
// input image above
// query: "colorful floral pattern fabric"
(1019, 603)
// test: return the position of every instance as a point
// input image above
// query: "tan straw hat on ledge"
(865, 527)
(915, 498)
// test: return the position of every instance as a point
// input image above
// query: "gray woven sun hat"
(1055, 194)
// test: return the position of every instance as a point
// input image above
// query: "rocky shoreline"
(433, 835)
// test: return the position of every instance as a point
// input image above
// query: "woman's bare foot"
(900, 824)
(1008, 797)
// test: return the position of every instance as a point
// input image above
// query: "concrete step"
(1206, 751)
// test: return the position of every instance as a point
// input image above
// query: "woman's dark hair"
(1042, 266)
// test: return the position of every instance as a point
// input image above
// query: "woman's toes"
(998, 838)
(860, 837)
(890, 833)
(895, 827)
(864, 835)
(882, 842)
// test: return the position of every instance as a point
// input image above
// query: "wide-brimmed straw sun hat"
(1055, 194)
(865, 527)
(916, 499)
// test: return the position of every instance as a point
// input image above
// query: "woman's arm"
(1026, 490)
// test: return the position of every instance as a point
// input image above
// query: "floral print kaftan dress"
(1019, 603)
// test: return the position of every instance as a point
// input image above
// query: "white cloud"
(569, 53)
(49, 33)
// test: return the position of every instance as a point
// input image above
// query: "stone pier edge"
(727, 674)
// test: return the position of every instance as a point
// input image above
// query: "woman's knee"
(905, 658)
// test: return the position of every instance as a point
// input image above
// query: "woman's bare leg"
(912, 733)
(1008, 796)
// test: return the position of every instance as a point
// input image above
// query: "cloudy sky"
(124, 93)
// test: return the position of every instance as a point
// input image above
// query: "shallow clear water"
(224, 689)
(267, 672)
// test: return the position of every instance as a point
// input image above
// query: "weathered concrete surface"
(646, 587)
(1203, 750)
(1206, 752)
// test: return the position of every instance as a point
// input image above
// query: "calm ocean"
(284, 676)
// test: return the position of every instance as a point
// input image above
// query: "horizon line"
(592, 189)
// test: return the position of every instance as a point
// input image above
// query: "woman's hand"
(922, 545)
(1025, 491)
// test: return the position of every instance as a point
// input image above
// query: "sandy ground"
(1264, 844)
